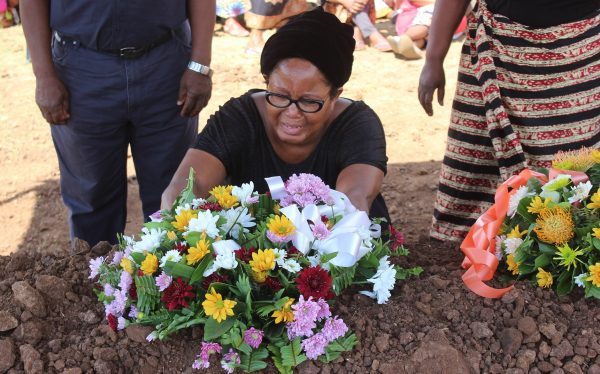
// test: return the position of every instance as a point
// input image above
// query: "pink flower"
(163, 281)
(274, 238)
(334, 328)
(324, 311)
(253, 337)
(206, 349)
(305, 189)
(320, 230)
(314, 346)
(95, 266)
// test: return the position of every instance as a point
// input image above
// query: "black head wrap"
(316, 36)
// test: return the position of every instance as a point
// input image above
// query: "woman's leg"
(369, 31)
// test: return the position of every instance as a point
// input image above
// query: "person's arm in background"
(51, 95)
(361, 183)
(446, 17)
(353, 6)
(210, 172)
(195, 88)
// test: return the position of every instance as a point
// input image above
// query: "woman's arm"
(209, 170)
(361, 183)
(446, 17)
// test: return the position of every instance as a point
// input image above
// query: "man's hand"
(52, 98)
(194, 93)
(432, 78)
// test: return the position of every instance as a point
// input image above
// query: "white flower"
(291, 265)
(375, 230)
(243, 193)
(550, 189)
(515, 199)
(279, 256)
(149, 241)
(121, 323)
(316, 260)
(580, 278)
(383, 281)
(511, 245)
(580, 192)
(225, 260)
(499, 241)
(206, 223)
(173, 255)
(197, 202)
(153, 336)
(128, 240)
(237, 220)
(182, 207)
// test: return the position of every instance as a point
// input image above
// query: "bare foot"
(233, 28)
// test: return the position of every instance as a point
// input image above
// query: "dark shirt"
(112, 24)
(543, 13)
(236, 135)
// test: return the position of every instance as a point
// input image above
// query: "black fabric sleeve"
(361, 137)
(228, 132)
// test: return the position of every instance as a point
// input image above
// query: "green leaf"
(592, 291)
(546, 248)
(565, 285)
(337, 347)
(291, 354)
(192, 238)
(147, 292)
(522, 209)
(198, 274)
(542, 261)
(187, 195)
(214, 329)
(138, 257)
(178, 270)
(596, 243)
(253, 361)
(327, 257)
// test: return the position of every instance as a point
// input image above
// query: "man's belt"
(125, 52)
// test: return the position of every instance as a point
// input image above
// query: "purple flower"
(334, 328)
(229, 361)
(209, 348)
(305, 316)
(253, 337)
(117, 306)
(109, 290)
(156, 217)
(320, 230)
(125, 282)
(305, 189)
(121, 323)
(314, 346)
(163, 281)
(276, 238)
(133, 312)
(117, 258)
(95, 266)
(324, 312)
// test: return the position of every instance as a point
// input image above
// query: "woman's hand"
(432, 78)
(354, 6)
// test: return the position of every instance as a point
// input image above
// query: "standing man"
(115, 73)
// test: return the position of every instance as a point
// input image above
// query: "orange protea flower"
(554, 225)
(580, 160)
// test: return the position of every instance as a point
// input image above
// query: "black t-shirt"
(543, 13)
(236, 135)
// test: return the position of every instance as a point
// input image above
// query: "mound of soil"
(50, 322)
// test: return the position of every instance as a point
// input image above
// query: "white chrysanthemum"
(243, 193)
(291, 265)
(511, 245)
(237, 220)
(499, 240)
(129, 240)
(152, 336)
(197, 202)
(515, 199)
(225, 260)
(205, 223)
(280, 255)
(580, 278)
(580, 192)
(182, 207)
(149, 241)
(173, 255)
(383, 281)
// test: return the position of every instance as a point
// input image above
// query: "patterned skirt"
(522, 95)
(267, 14)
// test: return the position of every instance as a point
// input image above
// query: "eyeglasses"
(304, 105)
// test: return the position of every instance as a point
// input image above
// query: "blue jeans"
(116, 103)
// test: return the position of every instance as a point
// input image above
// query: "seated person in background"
(412, 28)
(361, 13)
(300, 124)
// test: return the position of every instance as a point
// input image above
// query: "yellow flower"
(260, 277)
(183, 219)
(150, 264)
(227, 201)
(594, 274)
(198, 252)
(221, 190)
(596, 155)
(284, 314)
(537, 205)
(554, 225)
(544, 278)
(216, 307)
(262, 260)
(567, 256)
(596, 232)
(580, 160)
(513, 266)
(595, 204)
(516, 233)
(127, 265)
(171, 235)
(281, 226)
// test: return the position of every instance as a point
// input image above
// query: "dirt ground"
(431, 325)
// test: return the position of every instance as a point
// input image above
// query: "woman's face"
(298, 79)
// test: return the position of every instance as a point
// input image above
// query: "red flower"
(140, 273)
(324, 219)
(273, 283)
(213, 207)
(112, 321)
(245, 254)
(315, 282)
(177, 294)
(182, 247)
(214, 277)
(293, 251)
(396, 238)
(133, 292)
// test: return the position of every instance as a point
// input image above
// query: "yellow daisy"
(183, 219)
(537, 205)
(262, 260)
(595, 204)
(284, 314)
(198, 252)
(227, 201)
(516, 233)
(596, 155)
(150, 264)
(513, 266)
(544, 278)
(260, 277)
(594, 274)
(221, 190)
(217, 308)
(280, 226)
(127, 265)
(554, 225)
(596, 232)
